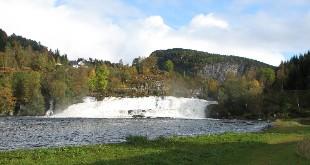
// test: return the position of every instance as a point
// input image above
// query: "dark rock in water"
(164, 118)
(130, 112)
(137, 113)
(138, 116)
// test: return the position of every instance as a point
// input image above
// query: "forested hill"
(34, 79)
(204, 64)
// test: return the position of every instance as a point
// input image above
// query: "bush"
(303, 148)
(136, 140)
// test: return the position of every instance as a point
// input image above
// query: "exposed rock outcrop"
(219, 70)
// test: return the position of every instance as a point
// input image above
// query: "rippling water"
(31, 132)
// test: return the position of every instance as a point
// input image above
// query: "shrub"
(131, 139)
(303, 148)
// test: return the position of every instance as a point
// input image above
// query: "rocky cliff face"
(219, 70)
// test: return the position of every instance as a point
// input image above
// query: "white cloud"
(75, 33)
(111, 30)
(208, 21)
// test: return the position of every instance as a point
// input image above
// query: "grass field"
(286, 143)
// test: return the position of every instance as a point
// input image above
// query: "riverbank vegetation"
(285, 143)
(282, 92)
(34, 79)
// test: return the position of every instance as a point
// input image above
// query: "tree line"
(282, 92)
(34, 79)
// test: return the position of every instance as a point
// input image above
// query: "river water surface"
(34, 132)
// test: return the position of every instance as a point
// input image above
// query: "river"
(34, 132)
(113, 119)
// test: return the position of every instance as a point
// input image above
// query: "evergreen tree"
(3, 40)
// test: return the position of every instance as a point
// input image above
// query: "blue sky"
(179, 12)
(268, 31)
(176, 13)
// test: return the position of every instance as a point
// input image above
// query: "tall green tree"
(267, 76)
(7, 100)
(98, 80)
(281, 76)
(169, 66)
(58, 89)
(3, 40)
(27, 90)
(137, 63)
(240, 97)
(77, 83)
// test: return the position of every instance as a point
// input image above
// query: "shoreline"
(271, 145)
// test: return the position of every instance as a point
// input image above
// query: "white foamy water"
(152, 107)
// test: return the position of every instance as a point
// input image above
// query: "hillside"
(204, 64)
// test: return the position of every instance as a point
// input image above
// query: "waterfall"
(146, 107)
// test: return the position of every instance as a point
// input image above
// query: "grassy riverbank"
(283, 144)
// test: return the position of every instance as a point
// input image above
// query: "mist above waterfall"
(146, 107)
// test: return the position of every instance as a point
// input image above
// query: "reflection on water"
(30, 132)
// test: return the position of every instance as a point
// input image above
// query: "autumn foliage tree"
(7, 100)
(239, 97)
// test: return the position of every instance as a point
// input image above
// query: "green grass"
(282, 144)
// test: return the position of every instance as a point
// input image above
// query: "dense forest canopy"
(192, 59)
(34, 79)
